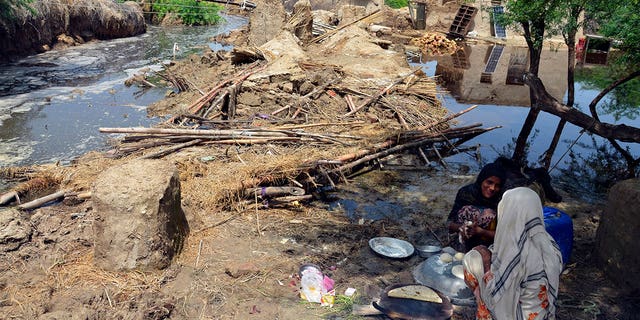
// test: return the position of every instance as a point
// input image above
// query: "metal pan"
(404, 308)
(391, 247)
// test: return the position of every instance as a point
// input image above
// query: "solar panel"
(494, 57)
(497, 27)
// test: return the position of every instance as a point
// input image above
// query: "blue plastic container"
(560, 226)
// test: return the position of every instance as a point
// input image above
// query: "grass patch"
(396, 4)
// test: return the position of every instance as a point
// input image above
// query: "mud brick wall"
(617, 243)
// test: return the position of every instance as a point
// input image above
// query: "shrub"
(7, 8)
(396, 4)
(191, 12)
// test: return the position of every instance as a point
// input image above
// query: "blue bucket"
(560, 226)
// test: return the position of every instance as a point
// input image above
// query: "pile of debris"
(298, 114)
(290, 115)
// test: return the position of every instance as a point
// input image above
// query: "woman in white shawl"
(517, 279)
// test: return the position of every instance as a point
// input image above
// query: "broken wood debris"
(371, 16)
(244, 4)
(278, 126)
(43, 200)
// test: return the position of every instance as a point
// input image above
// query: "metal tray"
(391, 247)
(437, 275)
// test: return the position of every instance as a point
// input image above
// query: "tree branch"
(547, 103)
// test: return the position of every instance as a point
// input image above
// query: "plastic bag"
(316, 287)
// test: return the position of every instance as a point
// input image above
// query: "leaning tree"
(618, 19)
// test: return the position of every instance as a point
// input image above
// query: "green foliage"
(593, 175)
(7, 8)
(620, 20)
(623, 100)
(342, 307)
(191, 12)
(396, 4)
(540, 18)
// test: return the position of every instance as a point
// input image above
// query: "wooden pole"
(379, 94)
(41, 201)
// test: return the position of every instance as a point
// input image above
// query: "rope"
(586, 306)
(567, 151)
(572, 144)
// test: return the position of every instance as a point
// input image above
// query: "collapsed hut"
(290, 117)
(269, 125)
(293, 116)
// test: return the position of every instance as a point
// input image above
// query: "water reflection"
(488, 76)
(52, 104)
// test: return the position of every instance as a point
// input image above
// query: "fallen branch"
(42, 201)
(274, 191)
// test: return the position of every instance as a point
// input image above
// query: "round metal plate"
(391, 247)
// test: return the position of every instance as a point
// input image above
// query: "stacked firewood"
(435, 44)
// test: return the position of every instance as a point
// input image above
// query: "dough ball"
(446, 258)
(459, 256)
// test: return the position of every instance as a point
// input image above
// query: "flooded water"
(504, 103)
(52, 104)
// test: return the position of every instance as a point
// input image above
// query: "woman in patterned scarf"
(473, 215)
(518, 278)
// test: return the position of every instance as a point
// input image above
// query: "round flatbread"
(415, 292)
(458, 256)
(458, 271)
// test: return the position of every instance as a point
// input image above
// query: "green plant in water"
(590, 176)
(191, 12)
(396, 4)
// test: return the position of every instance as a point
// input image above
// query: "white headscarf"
(525, 258)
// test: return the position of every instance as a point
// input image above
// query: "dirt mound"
(83, 21)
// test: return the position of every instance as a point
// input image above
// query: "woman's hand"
(470, 229)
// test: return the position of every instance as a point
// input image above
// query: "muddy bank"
(57, 24)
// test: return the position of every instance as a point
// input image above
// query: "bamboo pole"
(329, 33)
(436, 137)
(164, 152)
(390, 142)
(41, 201)
(380, 93)
(212, 132)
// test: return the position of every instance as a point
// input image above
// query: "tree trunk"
(534, 34)
(570, 41)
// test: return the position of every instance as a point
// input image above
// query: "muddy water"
(52, 104)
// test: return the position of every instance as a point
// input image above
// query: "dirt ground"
(243, 264)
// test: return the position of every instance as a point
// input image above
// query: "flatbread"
(458, 271)
(415, 292)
